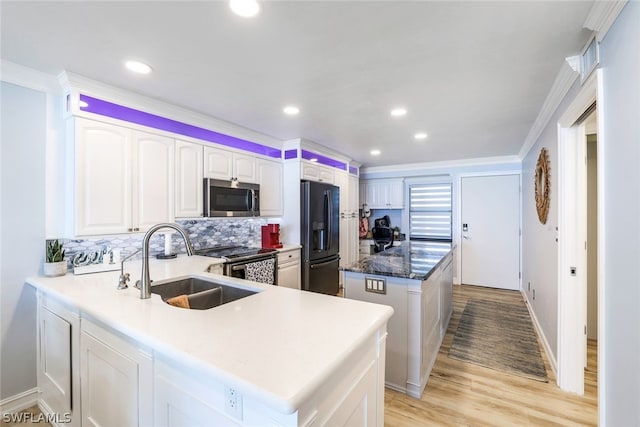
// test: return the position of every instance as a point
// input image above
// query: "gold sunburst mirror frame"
(543, 185)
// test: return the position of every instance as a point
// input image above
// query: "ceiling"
(473, 75)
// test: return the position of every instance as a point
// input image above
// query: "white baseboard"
(19, 402)
(543, 337)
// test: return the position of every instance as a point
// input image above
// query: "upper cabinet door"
(244, 168)
(353, 199)
(395, 199)
(153, 180)
(315, 172)
(341, 179)
(189, 180)
(227, 165)
(103, 161)
(218, 164)
(270, 178)
(384, 193)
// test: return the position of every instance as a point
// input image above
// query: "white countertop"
(276, 346)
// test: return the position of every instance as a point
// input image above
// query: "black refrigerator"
(320, 236)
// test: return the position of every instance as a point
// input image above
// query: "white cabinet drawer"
(291, 255)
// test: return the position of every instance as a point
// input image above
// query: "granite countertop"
(298, 335)
(411, 260)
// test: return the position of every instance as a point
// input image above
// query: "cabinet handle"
(129, 229)
(136, 229)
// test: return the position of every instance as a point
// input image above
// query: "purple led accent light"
(353, 170)
(115, 111)
(308, 155)
(290, 154)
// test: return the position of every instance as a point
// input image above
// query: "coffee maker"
(271, 236)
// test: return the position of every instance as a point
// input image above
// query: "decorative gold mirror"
(542, 185)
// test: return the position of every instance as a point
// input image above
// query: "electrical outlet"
(233, 402)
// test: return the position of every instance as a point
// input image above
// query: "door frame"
(572, 229)
(458, 215)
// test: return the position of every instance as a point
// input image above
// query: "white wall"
(23, 118)
(539, 246)
(620, 111)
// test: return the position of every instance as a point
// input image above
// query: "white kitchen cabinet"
(228, 165)
(184, 401)
(58, 365)
(123, 179)
(189, 180)
(352, 396)
(354, 194)
(341, 179)
(270, 178)
(289, 268)
(312, 171)
(116, 380)
(383, 193)
(348, 218)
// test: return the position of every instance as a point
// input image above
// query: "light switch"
(375, 285)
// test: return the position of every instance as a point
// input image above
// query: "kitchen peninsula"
(415, 279)
(279, 357)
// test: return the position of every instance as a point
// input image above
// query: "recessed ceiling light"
(83, 104)
(375, 152)
(313, 160)
(138, 67)
(397, 112)
(291, 110)
(420, 135)
(245, 8)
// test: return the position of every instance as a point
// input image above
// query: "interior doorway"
(574, 261)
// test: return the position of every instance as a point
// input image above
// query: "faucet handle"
(122, 281)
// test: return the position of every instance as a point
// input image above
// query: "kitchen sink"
(198, 294)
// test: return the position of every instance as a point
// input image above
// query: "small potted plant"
(55, 264)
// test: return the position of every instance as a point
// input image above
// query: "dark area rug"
(498, 336)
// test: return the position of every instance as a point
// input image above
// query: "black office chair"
(382, 234)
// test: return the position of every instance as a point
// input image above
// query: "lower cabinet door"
(358, 408)
(289, 275)
(109, 385)
(55, 363)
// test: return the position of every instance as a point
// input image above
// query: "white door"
(490, 227)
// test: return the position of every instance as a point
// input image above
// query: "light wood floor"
(463, 394)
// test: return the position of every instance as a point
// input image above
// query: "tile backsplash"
(202, 232)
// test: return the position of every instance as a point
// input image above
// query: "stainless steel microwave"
(230, 198)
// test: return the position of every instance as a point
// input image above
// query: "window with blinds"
(430, 211)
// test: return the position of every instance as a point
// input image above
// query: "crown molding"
(28, 77)
(421, 168)
(564, 80)
(602, 16)
(75, 84)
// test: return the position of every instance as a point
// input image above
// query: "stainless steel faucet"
(145, 280)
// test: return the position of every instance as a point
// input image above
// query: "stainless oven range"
(245, 262)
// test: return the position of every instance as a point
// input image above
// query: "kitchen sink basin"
(198, 294)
